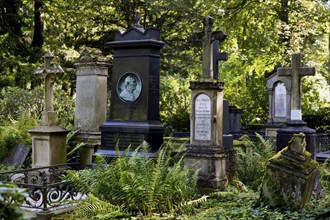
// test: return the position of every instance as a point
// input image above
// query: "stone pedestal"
(91, 101)
(134, 110)
(290, 176)
(285, 134)
(206, 151)
(48, 146)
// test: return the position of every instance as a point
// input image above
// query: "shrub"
(140, 184)
(11, 198)
(15, 132)
(175, 104)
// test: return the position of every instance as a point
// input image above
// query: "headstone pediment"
(136, 33)
(274, 78)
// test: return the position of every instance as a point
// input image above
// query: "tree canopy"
(261, 34)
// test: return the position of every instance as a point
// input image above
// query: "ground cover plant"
(136, 184)
(137, 187)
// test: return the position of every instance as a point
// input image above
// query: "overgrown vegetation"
(11, 198)
(252, 159)
(140, 184)
(14, 132)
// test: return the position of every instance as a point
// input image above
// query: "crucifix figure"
(296, 71)
(49, 73)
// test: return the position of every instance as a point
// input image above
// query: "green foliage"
(175, 103)
(252, 159)
(319, 119)
(15, 132)
(140, 184)
(243, 205)
(11, 198)
(15, 101)
(325, 175)
(95, 209)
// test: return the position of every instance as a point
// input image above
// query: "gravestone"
(17, 155)
(91, 101)
(206, 151)
(295, 123)
(235, 115)
(291, 176)
(49, 139)
(134, 110)
(279, 90)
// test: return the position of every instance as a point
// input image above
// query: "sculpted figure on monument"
(130, 87)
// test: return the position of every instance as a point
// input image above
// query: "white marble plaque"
(280, 100)
(203, 118)
(296, 115)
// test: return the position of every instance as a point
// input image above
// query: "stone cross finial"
(296, 71)
(137, 19)
(49, 73)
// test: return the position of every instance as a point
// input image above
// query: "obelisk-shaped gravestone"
(206, 151)
(134, 107)
(49, 139)
(295, 123)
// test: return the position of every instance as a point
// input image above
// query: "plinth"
(48, 146)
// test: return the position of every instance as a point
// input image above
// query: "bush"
(14, 132)
(16, 101)
(175, 104)
(140, 184)
(11, 198)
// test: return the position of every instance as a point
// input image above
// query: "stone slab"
(17, 155)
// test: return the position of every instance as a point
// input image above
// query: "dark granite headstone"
(17, 155)
(134, 111)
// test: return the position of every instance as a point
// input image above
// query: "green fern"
(141, 184)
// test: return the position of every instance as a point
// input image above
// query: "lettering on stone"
(203, 118)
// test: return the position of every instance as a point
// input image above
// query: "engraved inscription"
(123, 139)
(203, 118)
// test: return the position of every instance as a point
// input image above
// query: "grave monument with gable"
(206, 149)
(134, 110)
(49, 139)
(295, 123)
(279, 90)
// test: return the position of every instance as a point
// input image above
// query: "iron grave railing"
(46, 190)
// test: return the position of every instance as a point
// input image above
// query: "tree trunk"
(38, 38)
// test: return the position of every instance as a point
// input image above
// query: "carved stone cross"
(207, 51)
(211, 41)
(217, 56)
(49, 73)
(296, 71)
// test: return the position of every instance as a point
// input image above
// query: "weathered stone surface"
(17, 155)
(49, 139)
(290, 176)
(206, 150)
